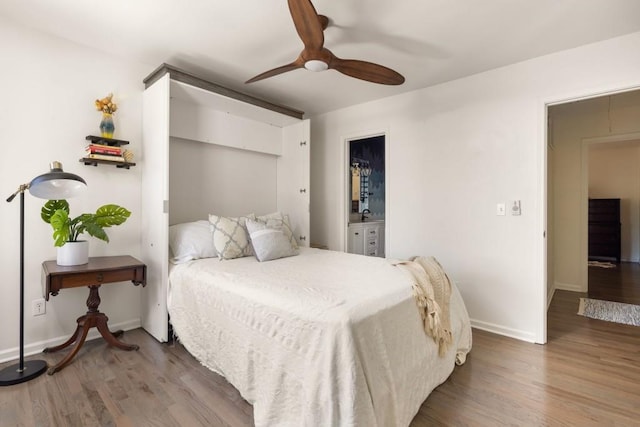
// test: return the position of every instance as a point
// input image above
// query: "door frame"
(346, 194)
(545, 300)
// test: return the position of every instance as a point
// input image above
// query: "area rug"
(610, 311)
(601, 264)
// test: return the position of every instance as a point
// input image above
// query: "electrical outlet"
(38, 307)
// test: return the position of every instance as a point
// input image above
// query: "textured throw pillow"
(191, 240)
(230, 236)
(269, 242)
(278, 219)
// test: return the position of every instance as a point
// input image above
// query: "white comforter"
(320, 339)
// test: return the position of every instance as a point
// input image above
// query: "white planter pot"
(73, 253)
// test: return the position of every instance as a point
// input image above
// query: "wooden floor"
(587, 375)
(621, 284)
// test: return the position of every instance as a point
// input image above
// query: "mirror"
(366, 177)
(360, 173)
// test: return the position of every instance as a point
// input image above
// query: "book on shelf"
(108, 157)
(103, 149)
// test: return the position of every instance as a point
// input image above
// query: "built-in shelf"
(106, 141)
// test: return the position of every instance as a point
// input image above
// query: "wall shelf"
(96, 162)
(110, 142)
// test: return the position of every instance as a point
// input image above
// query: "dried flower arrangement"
(106, 104)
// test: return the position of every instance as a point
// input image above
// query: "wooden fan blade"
(298, 63)
(307, 23)
(368, 71)
(324, 22)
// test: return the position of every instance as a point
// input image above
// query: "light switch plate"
(501, 209)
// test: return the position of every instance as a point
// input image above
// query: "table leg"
(66, 343)
(93, 318)
(110, 337)
(85, 330)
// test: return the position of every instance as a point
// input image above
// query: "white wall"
(457, 149)
(574, 128)
(48, 87)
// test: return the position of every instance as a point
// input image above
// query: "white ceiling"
(230, 41)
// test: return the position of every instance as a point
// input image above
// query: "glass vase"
(106, 125)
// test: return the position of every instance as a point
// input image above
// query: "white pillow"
(269, 242)
(191, 240)
(278, 219)
(230, 236)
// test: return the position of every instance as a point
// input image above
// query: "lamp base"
(11, 374)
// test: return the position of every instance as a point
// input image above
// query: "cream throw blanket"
(432, 291)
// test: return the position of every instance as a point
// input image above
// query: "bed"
(323, 338)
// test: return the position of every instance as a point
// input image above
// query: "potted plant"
(66, 230)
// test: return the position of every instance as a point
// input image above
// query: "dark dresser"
(604, 229)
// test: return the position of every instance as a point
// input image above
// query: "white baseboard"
(573, 287)
(37, 347)
(501, 330)
(550, 295)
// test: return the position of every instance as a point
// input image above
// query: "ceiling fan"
(316, 57)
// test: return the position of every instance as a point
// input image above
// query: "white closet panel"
(294, 179)
(155, 194)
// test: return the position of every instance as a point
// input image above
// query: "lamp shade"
(56, 184)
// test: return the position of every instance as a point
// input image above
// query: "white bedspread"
(320, 339)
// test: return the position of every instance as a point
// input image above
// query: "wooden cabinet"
(604, 229)
(366, 238)
(181, 110)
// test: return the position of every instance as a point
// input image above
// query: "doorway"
(583, 165)
(366, 195)
(367, 177)
(613, 169)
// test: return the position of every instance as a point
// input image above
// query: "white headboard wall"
(209, 178)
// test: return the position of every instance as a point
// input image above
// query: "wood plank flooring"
(587, 375)
(621, 284)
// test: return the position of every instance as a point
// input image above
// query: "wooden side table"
(99, 271)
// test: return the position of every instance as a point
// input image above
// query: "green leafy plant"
(67, 229)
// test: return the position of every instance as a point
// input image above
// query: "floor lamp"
(54, 185)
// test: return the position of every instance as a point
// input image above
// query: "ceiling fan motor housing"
(316, 65)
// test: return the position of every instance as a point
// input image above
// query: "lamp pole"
(23, 371)
(53, 185)
(22, 283)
